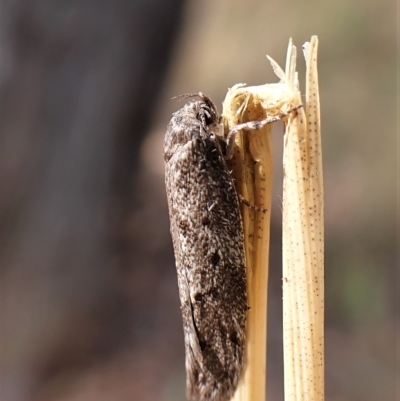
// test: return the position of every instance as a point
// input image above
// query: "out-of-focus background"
(89, 298)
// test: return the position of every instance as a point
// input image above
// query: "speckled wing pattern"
(207, 234)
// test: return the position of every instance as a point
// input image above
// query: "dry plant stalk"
(252, 169)
(303, 245)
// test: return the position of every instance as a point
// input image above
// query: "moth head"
(208, 112)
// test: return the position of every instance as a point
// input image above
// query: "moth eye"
(198, 297)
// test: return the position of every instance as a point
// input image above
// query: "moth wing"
(207, 235)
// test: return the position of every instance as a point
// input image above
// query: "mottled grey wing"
(207, 235)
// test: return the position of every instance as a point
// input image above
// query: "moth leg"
(252, 125)
(251, 206)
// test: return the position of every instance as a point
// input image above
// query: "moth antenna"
(187, 95)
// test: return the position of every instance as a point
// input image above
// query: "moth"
(207, 235)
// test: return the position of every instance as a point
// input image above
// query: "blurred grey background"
(89, 298)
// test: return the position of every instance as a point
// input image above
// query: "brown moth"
(207, 235)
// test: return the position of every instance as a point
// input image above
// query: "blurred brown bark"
(77, 84)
